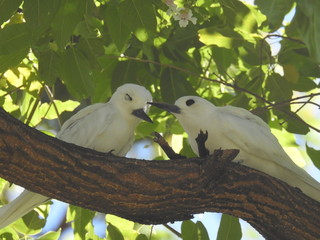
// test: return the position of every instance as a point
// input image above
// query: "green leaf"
(30, 223)
(10, 60)
(255, 54)
(278, 87)
(291, 121)
(239, 16)
(50, 235)
(7, 8)
(49, 66)
(173, 85)
(38, 15)
(77, 74)
(275, 10)
(224, 38)
(48, 111)
(139, 17)
(114, 233)
(13, 38)
(81, 219)
(128, 72)
(103, 78)
(142, 237)
(119, 33)
(14, 45)
(304, 84)
(202, 231)
(229, 228)
(68, 16)
(126, 226)
(314, 155)
(292, 53)
(223, 58)
(8, 233)
(307, 21)
(193, 231)
(92, 48)
(189, 230)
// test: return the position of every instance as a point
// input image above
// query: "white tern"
(231, 127)
(104, 127)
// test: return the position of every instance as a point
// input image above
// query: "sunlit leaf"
(81, 219)
(8, 233)
(126, 226)
(225, 38)
(229, 228)
(50, 235)
(30, 223)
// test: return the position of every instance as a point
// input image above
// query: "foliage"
(56, 54)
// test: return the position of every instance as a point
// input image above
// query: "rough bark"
(154, 192)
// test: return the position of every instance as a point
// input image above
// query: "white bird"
(104, 127)
(236, 128)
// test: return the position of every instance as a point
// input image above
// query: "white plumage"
(236, 128)
(104, 127)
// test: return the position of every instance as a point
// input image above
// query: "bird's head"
(186, 108)
(131, 100)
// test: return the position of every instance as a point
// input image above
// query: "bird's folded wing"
(20, 206)
(83, 127)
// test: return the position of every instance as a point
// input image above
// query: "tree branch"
(154, 192)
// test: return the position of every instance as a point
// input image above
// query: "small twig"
(173, 230)
(51, 97)
(284, 37)
(166, 148)
(12, 91)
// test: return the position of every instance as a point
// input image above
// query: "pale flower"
(184, 16)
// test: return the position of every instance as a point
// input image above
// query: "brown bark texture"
(154, 192)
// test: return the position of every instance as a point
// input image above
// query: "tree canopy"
(56, 55)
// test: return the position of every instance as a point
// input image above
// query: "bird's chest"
(117, 137)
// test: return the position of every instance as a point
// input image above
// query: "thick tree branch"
(154, 192)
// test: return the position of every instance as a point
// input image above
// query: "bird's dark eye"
(128, 97)
(189, 102)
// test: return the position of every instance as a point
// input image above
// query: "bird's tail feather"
(20, 206)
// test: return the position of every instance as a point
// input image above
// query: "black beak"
(139, 113)
(165, 106)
